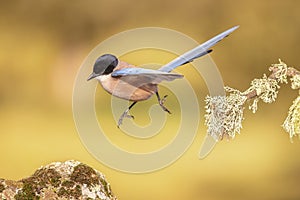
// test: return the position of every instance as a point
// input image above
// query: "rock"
(67, 180)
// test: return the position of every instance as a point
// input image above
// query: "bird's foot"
(161, 103)
(124, 115)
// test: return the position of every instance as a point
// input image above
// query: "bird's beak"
(93, 75)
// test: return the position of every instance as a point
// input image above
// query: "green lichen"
(84, 174)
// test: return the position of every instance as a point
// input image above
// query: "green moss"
(70, 193)
(106, 186)
(68, 184)
(84, 174)
(2, 187)
(27, 193)
(33, 185)
(62, 192)
(77, 192)
(47, 176)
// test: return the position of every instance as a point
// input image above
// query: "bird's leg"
(162, 101)
(125, 114)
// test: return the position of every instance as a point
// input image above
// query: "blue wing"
(197, 52)
(141, 76)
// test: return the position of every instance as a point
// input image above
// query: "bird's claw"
(124, 115)
(161, 103)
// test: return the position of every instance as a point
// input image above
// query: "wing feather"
(141, 76)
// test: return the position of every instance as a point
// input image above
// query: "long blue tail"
(197, 52)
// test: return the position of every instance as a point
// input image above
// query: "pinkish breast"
(123, 90)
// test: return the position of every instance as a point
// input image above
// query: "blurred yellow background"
(43, 44)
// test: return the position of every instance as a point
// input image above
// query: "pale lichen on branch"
(224, 114)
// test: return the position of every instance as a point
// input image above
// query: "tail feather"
(198, 56)
(197, 52)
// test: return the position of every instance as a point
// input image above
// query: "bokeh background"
(43, 43)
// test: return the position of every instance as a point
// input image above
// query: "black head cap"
(105, 64)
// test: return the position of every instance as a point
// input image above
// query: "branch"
(224, 114)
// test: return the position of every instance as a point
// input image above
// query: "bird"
(132, 83)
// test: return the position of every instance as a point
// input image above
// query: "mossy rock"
(67, 180)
